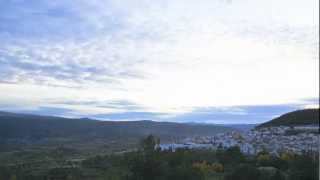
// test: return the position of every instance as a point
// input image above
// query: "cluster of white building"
(275, 140)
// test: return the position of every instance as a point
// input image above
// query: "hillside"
(23, 129)
(299, 117)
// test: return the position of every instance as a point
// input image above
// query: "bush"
(243, 172)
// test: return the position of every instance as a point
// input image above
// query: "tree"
(243, 172)
(207, 168)
(145, 164)
(232, 155)
(278, 176)
(217, 167)
(13, 177)
(150, 144)
(302, 167)
(264, 159)
(287, 156)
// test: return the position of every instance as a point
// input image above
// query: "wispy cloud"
(123, 111)
(166, 57)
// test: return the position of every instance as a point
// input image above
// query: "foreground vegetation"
(149, 163)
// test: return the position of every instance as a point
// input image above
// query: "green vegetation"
(53, 148)
(21, 131)
(300, 117)
(149, 163)
(39, 127)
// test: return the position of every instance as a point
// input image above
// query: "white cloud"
(171, 56)
(311, 106)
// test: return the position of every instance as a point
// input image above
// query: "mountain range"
(33, 131)
(25, 130)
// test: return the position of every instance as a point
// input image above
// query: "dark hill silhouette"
(24, 126)
(299, 117)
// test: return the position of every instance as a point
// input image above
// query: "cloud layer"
(164, 58)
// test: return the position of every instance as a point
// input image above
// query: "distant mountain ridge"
(242, 127)
(25, 125)
(299, 117)
(32, 128)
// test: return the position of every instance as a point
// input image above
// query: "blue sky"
(213, 61)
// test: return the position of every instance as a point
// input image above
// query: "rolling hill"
(22, 130)
(299, 117)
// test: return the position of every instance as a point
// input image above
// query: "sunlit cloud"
(165, 58)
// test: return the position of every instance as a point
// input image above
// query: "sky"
(206, 61)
